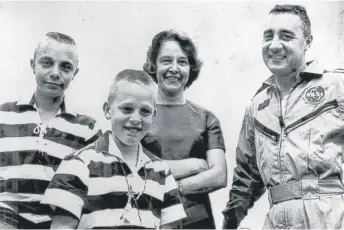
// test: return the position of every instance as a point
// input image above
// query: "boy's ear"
(106, 109)
(32, 64)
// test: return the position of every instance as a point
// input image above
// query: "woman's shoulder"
(199, 109)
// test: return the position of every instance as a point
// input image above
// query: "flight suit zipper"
(274, 136)
(324, 108)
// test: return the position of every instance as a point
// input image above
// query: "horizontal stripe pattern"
(20, 221)
(13, 107)
(65, 200)
(73, 170)
(26, 122)
(52, 134)
(99, 186)
(69, 183)
(15, 118)
(23, 197)
(32, 157)
(26, 171)
(28, 207)
(17, 130)
(28, 162)
(78, 125)
(33, 143)
(172, 213)
(118, 200)
(111, 218)
(171, 198)
(74, 128)
(152, 174)
(23, 186)
(100, 169)
(107, 186)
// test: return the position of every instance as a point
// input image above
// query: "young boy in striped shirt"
(115, 183)
(37, 132)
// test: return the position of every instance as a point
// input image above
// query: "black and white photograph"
(172, 114)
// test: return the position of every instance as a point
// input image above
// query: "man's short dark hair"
(296, 10)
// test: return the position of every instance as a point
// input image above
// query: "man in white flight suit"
(291, 142)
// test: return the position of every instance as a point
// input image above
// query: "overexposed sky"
(112, 36)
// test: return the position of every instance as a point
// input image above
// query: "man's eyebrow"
(67, 62)
(267, 31)
(287, 31)
(45, 58)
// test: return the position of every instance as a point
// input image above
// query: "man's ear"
(32, 64)
(75, 72)
(309, 41)
(106, 109)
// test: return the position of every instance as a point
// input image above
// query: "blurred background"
(112, 36)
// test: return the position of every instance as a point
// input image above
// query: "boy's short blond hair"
(60, 37)
(133, 76)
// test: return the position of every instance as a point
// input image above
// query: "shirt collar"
(24, 100)
(105, 143)
(312, 71)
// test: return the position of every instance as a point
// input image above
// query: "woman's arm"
(211, 179)
(186, 167)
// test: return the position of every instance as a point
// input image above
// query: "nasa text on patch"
(314, 95)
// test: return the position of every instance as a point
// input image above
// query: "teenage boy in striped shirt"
(115, 183)
(37, 132)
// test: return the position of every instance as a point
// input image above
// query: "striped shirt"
(96, 186)
(30, 154)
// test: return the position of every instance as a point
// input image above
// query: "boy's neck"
(130, 153)
(47, 104)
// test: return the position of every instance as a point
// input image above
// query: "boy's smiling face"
(131, 112)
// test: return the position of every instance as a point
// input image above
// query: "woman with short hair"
(187, 136)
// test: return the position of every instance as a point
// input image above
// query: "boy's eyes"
(146, 111)
(67, 67)
(46, 63)
(126, 109)
(143, 111)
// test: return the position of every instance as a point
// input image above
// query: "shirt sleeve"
(214, 133)
(247, 185)
(68, 189)
(172, 207)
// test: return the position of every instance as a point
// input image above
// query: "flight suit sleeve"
(339, 72)
(247, 185)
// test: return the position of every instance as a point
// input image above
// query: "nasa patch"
(315, 95)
